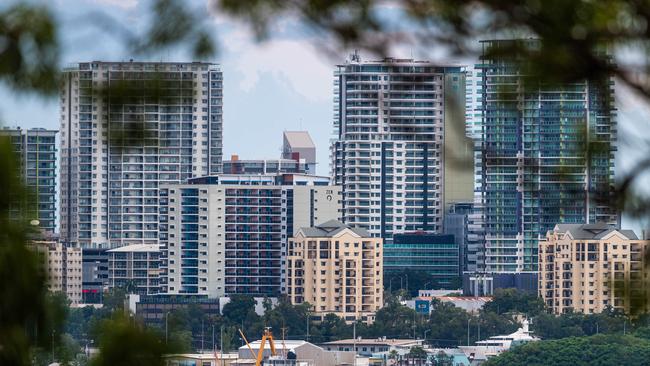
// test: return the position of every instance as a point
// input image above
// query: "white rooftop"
(136, 248)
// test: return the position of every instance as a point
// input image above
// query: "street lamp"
(425, 334)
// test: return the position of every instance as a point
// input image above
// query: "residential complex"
(337, 269)
(400, 150)
(535, 171)
(36, 149)
(62, 266)
(136, 267)
(95, 274)
(588, 268)
(227, 234)
(437, 255)
(126, 128)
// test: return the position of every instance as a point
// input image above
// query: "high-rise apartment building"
(36, 149)
(136, 266)
(264, 166)
(400, 152)
(588, 268)
(126, 128)
(227, 234)
(337, 269)
(535, 170)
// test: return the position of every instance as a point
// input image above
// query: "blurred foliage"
(123, 341)
(577, 351)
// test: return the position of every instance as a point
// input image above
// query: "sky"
(283, 83)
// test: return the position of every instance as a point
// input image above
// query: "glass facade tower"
(535, 169)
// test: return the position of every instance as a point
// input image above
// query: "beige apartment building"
(63, 268)
(337, 269)
(586, 268)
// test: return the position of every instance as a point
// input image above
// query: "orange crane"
(260, 353)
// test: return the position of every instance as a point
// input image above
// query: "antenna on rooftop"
(355, 56)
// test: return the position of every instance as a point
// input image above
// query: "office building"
(36, 149)
(400, 150)
(437, 255)
(227, 234)
(126, 128)
(298, 145)
(94, 277)
(135, 267)
(264, 166)
(62, 268)
(588, 268)
(535, 171)
(336, 269)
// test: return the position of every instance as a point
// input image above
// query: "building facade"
(337, 269)
(136, 267)
(126, 128)
(227, 234)
(588, 268)
(94, 275)
(437, 255)
(535, 171)
(36, 149)
(298, 145)
(400, 150)
(264, 166)
(62, 266)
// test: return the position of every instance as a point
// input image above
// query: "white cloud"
(124, 4)
(296, 63)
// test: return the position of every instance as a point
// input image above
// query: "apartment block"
(588, 268)
(62, 266)
(136, 267)
(36, 149)
(401, 152)
(337, 269)
(126, 128)
(227, 234)
(535, 172)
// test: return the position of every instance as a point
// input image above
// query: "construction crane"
(260, 353)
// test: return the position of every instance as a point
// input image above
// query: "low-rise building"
(337, 269)
(62, 266)
(307, 354)
(368, 347)
(437, 255)
(587, 268)
(136, 266)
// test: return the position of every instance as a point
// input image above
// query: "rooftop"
(136, 248)
(592, 231)
(299, 139)
(375, 341)
(330, 229)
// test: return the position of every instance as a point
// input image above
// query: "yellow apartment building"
(337, 269)
(587, 268)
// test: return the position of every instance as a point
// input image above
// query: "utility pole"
(214, 348)
(202, 333)
(478, 328)
(468, 331)
(221, 344)
(354, 341)
(166, 326)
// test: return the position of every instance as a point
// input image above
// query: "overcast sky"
(284, 83)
